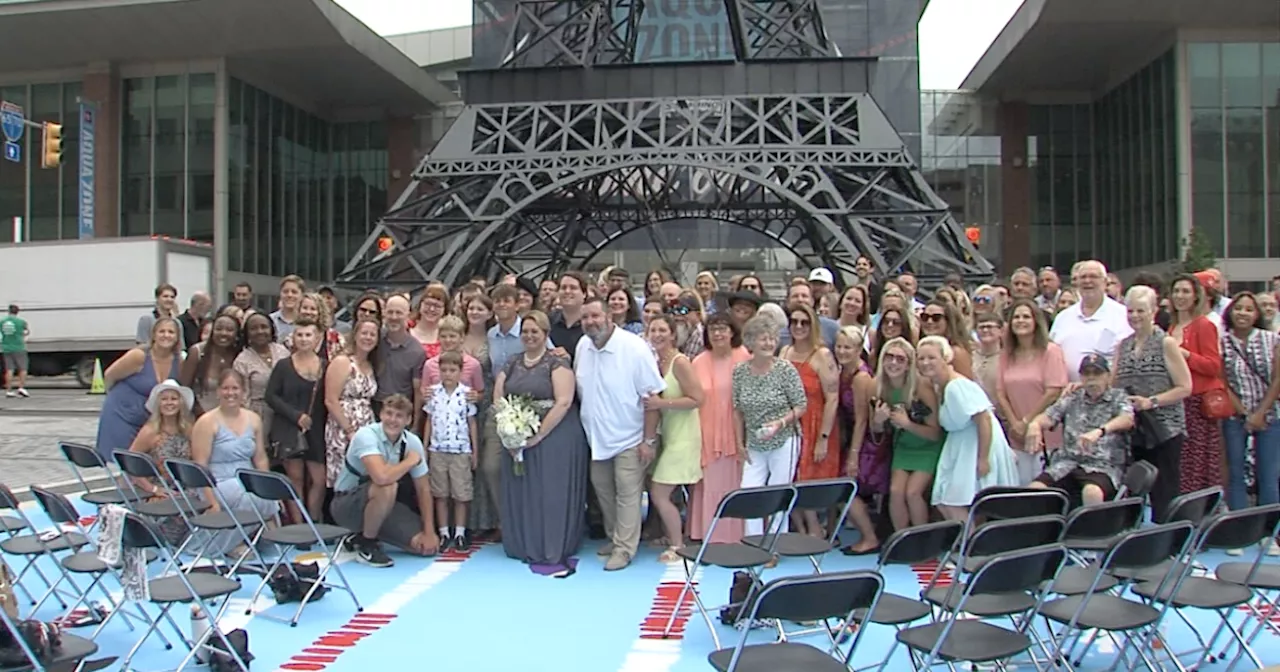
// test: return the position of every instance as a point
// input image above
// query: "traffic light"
(52, 155)
(385, 243)
(974, 234)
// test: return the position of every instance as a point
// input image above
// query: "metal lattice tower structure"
(538, 187)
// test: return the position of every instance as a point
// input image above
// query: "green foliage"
(1198, 255)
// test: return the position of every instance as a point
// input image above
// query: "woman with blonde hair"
(329, 342)
(166, 436)
(706, 285)
(129, 382)
(975, 455)
(865, 460)
(905, 406)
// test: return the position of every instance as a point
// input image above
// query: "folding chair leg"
(690, 588)
(53, 589)
(210, 633)
(32, 566)
(331, 565)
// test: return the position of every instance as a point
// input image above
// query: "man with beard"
(616, 372)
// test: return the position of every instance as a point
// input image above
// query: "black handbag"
(1148, 432)
(301, 441)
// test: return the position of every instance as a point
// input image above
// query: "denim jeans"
(1267, 448)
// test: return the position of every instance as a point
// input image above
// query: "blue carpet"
(481, 610)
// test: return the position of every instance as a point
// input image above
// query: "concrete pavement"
(30, 430)
(53, 402)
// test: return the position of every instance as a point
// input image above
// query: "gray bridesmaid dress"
(543, 510)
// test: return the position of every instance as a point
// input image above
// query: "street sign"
(13, 152)
(12, 121)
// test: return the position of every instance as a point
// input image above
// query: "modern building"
(278, 131)
(1120, 125)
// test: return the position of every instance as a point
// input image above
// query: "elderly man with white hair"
(1093, 325)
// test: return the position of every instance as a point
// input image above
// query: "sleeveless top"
(231, 451)
(1145, 374)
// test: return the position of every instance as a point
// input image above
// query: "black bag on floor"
(289, 589)
(222, 661)
(744, 586)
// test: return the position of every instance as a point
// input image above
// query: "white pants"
(1029, 466)
(770, 467)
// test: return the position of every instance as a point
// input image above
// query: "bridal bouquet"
(517, 420)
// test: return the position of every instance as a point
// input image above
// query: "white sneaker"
(22, 392)
(1235, 552)
(11, 394)
(1272, 548)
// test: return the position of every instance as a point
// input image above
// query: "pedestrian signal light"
(973, 234)
(385, 243)
(52, 142)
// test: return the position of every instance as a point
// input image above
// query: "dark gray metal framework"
(537, 187)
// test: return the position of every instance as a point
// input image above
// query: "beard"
(683, 331)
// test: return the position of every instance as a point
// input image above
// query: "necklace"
(535, 360)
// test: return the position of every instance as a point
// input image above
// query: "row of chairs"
(1105, 554)
(195, 570)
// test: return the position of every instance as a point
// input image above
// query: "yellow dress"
(680, 462)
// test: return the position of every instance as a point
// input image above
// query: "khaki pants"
(490, 462)
(618, 483)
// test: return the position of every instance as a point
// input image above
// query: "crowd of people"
(390, 422)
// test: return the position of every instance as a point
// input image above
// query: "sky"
(953, 33)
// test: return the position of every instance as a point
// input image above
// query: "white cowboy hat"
(188, 397)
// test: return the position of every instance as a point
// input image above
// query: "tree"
(1198, 255)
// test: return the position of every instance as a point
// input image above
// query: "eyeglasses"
(990, 326)
(933, 317)
(802, 322)
(719, 328)
(891, 322)
(367, 311)
(899, 359)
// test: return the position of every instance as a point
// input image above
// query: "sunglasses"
(891, 322)
(801, 322)
(982, 299)
(933, 317)
(677, 310)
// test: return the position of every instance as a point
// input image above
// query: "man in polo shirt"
(616, 372)
(1094, 324)
(402, 355)
(365, 493)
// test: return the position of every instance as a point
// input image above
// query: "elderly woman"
(976, 454)
(1151, 369)
(768, 402)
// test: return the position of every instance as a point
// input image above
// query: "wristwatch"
(651, 441)
(1102, 430)
(1155, 403)
(825, 436)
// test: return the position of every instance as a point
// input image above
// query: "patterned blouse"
(1145, 374)
(766, 398)
(1079, 414)
(1248, 365)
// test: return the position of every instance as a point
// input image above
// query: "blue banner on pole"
(88, 136)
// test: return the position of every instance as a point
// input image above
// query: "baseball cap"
(1094, 363)
(821, 275)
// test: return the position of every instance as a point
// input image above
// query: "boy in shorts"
(451, 434)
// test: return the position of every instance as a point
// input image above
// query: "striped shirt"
(1248, 365)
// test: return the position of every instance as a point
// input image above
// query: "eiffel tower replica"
(571, 141)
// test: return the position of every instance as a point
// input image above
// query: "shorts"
(399, 529)
(15, 361)
(1073, 483)
(450, 475)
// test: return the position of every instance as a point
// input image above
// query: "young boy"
(451, 435)
(452, 334)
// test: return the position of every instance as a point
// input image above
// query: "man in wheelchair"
(1095, 418)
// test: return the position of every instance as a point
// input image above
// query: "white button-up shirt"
(1099, 333)
(613, 382)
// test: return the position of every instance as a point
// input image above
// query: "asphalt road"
(30, 430)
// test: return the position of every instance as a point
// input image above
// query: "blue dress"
(124, 410)
(956, 482)
(232, 452)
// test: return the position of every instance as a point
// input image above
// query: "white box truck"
(82, 299)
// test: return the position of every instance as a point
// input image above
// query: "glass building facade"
(960, 159)
(304, 193)
(46, 199)
(1234, 93)
(166, 165)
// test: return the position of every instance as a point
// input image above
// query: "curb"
(45, 412)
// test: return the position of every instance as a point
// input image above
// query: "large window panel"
(1245, 175)
(45, 106)
(236, 175)
(1204, 70)
(200, 135)
(136, 173)
(70, 173)
(1242, 73)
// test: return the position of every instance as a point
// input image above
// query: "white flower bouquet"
(517, 420)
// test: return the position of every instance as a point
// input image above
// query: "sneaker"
(461, 544)
(446, 543)
(22, 392)
(11, 394)
(618, 560)
(371, 554)
(1235, 552)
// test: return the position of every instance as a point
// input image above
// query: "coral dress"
(811, 429)
(721, 469)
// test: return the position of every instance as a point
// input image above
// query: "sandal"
(669, 556)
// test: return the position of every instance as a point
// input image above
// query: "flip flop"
(848, 550)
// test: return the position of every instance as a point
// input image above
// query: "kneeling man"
(1095, 448)
(364, 498)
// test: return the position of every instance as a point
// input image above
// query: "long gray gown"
(543, 510)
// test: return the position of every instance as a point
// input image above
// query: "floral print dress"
(357, 404)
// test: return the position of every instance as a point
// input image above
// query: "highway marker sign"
(12, 121)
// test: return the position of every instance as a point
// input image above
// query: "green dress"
(680, 462)
(912, 452)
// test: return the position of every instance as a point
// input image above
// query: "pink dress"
(1024, 383)
(721, 470)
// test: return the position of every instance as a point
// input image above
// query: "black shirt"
(564, 335)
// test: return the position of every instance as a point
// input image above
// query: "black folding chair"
(820, 496)
(197, 589)
(191, 479)
(1096, 609)
(291, 539)
(1092, 529)
(746, 504)
(909, 546)
(69, 656)
(1008, 502)
(1232, 529)
(85, 561)
(1139, 478)
(34, 545)
(1193, 507)
(960, 638)
(1264, 578)
(81, 458)
(138, 466)
(816, 597)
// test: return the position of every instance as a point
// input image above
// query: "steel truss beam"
(559, 33)
(540, 187)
